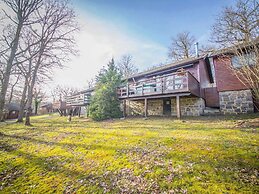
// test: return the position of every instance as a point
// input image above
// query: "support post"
(178, 108)
(124, 108)
(79, 111)
(146, 109)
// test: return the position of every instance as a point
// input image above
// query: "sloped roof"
(167, 66)
(194, 59)
(12, 106)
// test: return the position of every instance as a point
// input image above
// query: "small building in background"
(12, 111)
(46, 108)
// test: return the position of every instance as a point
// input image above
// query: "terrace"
(79, 99)
(171, 84)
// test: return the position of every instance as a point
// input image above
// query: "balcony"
(174, 83)
(80, 99)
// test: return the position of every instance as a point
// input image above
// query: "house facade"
(190, 87)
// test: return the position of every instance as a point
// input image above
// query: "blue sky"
(141, 28)
(158, 20)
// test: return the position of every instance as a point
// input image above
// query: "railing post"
(187, 80)
(173, 82)
(142, 88)
(127, 90)
(162, 85)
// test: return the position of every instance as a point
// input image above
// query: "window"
(246, 59)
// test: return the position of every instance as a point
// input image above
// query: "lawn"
(157, 155)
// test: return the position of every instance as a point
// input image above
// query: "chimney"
(196, 49)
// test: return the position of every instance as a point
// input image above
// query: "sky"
(141, 28)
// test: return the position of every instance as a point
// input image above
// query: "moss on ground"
(196, 155)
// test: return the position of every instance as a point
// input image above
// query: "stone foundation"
(190, 106)
(155, 107)
(236, 102)
(135, 108)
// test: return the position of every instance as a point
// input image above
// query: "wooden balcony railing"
(78, 99)
(167, 84)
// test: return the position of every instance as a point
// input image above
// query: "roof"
(181, 63)
(12, 106)
(84, 91)
(47, 104)
(168, 66)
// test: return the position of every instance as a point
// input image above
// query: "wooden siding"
(211, 97)
(225, 78)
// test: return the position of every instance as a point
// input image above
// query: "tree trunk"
(8, 69)
(36, 107)
(23, 103)
(12, 89)
(31, 86)
(29, 103)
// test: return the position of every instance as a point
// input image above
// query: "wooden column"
(79, 111)
(146, 109)
(124, 108)
(178, 108)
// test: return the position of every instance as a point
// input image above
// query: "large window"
(243, 60)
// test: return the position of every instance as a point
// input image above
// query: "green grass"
(197, 155)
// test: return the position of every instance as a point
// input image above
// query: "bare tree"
(57, 24)
(90, 83)
(181, 46)
(245, 65)
(60, 92)
(237, 24)
(238, 28)
(12, 88)
(127, 66)
(20, 17)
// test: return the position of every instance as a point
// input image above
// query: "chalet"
(191, 87)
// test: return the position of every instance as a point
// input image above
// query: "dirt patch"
(249, 123)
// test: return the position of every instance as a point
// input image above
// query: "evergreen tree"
(105, 103)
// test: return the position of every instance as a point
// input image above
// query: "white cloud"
(99, 41)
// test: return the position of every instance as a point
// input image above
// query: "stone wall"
(190, 106)
(236, 101)
(135, 108)
(155, 107)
